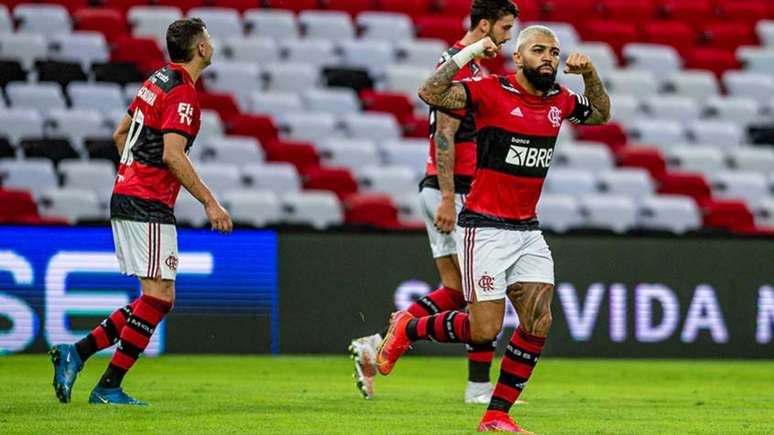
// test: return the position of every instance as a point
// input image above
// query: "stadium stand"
(311, 115)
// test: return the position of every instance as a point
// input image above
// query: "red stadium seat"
(640, 11)
(124, 5)
(453, 8)
(302, 155)
(646, 158)
(352, 7)
(679, 35)
(371, 209)
(293, 5)
(571, 11)
(144, 52)
(16, 204)
(448, 29)
(397, 104)
(224, 104)
(611, 134)
(337, 180)
(412, 8)
(417, 126)
(615, 33)
(695, 13)
(259, 127)
(747, 11)
(730, 35)
(240, 5)
(184, 5)
(716, 60)
(110, 22)
(693, 185)
(71, 5)
(727, 215)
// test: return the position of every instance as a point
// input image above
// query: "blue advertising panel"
(57, 282)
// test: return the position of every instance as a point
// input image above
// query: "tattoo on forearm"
(438, 89)
(532, 302)
(597, 94)
(444, 161)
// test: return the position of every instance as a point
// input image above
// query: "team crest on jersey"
(486, 283)
(171, 262)
(555, 116)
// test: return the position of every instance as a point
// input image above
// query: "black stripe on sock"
(86, 347)
(129, 349)
(499, 404)
(478, 371)
(411, 330)
(431, 328)
(110, 329)
(112, 377)
(140, 325)
(512, 380)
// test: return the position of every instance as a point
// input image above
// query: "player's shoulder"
(170, 80)
(559, 91)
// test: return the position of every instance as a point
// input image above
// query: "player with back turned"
(450, 167)
(501, 251)
(153, 141)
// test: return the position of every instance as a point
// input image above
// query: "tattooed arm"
(594, 88)
(446, 129)
(439, 90)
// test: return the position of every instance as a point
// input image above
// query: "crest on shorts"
(555, 116)
(486, 283)
(171, 262)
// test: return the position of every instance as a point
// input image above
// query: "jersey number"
(127, 157)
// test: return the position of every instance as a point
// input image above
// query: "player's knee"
(540, 324)
(484, 333)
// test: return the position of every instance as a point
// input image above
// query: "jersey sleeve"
(179, 111)
(476, 89)
(578, 108)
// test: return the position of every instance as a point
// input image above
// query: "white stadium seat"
(44, 19)
(72, 204)
(43, 97)
(96, 175)
(385, 26)
(696, 84)
(320, 209)
(152, 21)
(371, 125)
(222, 23)
(672, 107)
(255, 207)
(634, 182)
(609, 212)
(236, 150)
(220, 177)
(101, 96)
(275, 103)
(309, 126)
(570, 181)
(246, 49)
(759, 159)
(331, 25)
(271, 23)
(338, 101)
(704, 160)
(658, 59)
(17, 124)
(422, 53)
(559, 213)
(318, 52)
(291, 77)
(276, 177)
(675, 213)
(34, 174)
(85, 48)
(26, 48)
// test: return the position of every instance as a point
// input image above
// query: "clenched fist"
(488, 49)
(578, 64)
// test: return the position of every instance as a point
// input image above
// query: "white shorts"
(146, 250)
(441, 244)
(491, 259)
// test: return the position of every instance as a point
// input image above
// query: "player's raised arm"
(440, 91)
(594, 89)
(178, 162)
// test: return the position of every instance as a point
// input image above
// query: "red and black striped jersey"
(464, 139)
(515, 141)
(145, 189)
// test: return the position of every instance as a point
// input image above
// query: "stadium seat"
(183, 5)
(102, 149)
(615, 33)
(144, 52)
(765, 31)
(411, 8)
(268, 23)
(340, 101)
(608, 212)
(95, 175)
(741, 110)
(715, 132)
(625, 108)
(275, 104)
(675, 33)
(611, 134)
(605, 59)
(259, 127)
(715, 60)
(42, 19)
(444, 28)
(7, 151)
(291, 77)
(573, 11)
(293, 5)
(371, 125)
(675, 213)
(10, 71)
(649, 159)
(25, 48)
(392, 180)
(632, 82)
(397, 104)
(693, 185)
(54, 149)
(253, 207)
(704, 160)
(85, 48)
(319, 209)
(371, 209)
(102, 97)
(42, 97)
(698, 85)
(34, 174)
(407, 152)
(6, 24)
(570, 181)
(152, 21)
(253, 49)
(633, 182)
(423, 53)
(729, 35)
(352, 7)
(223, 104)
(757, 85)
(756, 59)
(307, 126)
(211, 125)
(757, 159)
(349, 154)
(317, 52)
(385, 26)
(77, 125)
(410, 210)
(374, 56)
(235, 150)
(189, 211)
(336, 180)
(59, 72)
(661, 132)
(16, 124)
(279, 178)
(672, 107)
(405, 79)
(559, 213)
(240, 79)
(220, 177)
(638, 12)
(747, 12)
(111, 23)
(695, 13)
(222, 23)
(117, 72)
(74, 205)
(301, 155)
(763, 212)
(740, 185)
(17, 205)
(654, 58)
(727, 215)
(595, 158)
(330, 25)
(354, 78)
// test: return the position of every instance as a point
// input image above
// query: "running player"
(502, 252)
(153, 144)
(450, 168)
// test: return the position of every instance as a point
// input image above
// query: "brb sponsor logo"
(528, 157)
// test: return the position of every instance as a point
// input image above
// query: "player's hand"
(490, 49)
(219, 217)
(445, 216)
(578, 64)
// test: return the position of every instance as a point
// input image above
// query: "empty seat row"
(741, 110)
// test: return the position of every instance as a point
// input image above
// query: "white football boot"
(363, 352)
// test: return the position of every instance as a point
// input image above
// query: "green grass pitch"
(316, 395)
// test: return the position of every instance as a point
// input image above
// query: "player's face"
(206, 48)
(538, 59)
(500, 31)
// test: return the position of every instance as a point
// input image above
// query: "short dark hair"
(491, 10)
(181, 37)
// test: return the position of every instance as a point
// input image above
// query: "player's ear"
(517, 58)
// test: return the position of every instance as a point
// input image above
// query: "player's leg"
(156, 267)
